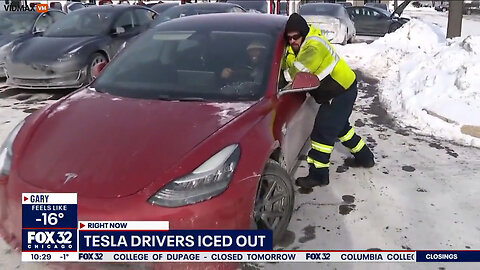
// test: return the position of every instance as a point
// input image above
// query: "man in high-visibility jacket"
(309, 51)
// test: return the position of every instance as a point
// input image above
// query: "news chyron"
(51, 232)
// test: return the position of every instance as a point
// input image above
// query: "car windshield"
(186, 10)
(260, 6)
(187, 65)
(313, 9)
(81, 23)
(16, 22)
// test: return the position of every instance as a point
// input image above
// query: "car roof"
(237, 21)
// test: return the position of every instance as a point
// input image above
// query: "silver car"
(332, 19)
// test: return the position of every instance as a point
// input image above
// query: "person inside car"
(253, 70)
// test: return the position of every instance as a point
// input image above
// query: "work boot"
(311, 181)
(364, 158)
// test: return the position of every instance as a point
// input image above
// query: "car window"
(188, 64)
(126, 20)
(357, 12)
(16, 22)
(83, 22)
(371, 13)
(43, 22)
(144, 16)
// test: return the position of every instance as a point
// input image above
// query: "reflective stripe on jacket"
(318, 57)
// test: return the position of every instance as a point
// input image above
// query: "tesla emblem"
(70, 176)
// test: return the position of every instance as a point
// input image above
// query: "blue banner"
(448, 256)
(49, 216)
(175, 240)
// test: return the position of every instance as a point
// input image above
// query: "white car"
(332, 19)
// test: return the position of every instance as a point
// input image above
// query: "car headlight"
(4, 51)
(6, 152)
(208, 180)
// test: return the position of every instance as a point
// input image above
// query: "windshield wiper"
(168, 98)
(191, 99)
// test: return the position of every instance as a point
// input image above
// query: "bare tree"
(455, 14)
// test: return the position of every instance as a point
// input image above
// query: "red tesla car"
(164, 134)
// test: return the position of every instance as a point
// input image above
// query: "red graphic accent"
(25, 198)
(81, 225)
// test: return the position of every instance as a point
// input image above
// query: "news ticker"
(51, 232)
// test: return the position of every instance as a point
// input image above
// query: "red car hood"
(113, 147)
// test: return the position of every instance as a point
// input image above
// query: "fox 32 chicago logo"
(18, 5)
(49, 240)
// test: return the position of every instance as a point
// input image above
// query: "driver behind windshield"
(253, 70)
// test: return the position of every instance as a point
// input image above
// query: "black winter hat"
(296, 23)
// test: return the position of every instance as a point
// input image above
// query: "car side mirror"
(118, 30)
(97, 70)
(38, 32)
(302, 82)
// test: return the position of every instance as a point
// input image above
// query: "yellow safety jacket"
(318, 57)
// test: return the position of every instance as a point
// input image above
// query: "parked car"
(197, 9)
(370, 21)
(256, 6)
(345, 4)
(162, 7)
(19, 26)
(332, 19)
(444, 6)
(471, 7)
(186, 148)
(65, 55)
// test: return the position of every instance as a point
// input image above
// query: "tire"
(351, 40)
(345, 40)
(393, 27)
(274, 200)
(93, 61)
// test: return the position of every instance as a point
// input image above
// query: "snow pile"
(427, 81)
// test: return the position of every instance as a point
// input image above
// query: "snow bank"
(427, 81)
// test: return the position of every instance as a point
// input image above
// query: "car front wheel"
(274, 200)
(95, 59)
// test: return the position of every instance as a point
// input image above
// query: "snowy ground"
(422, 194)
(427, 81)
